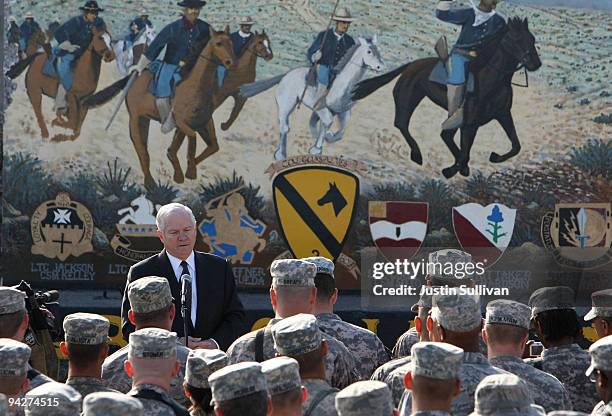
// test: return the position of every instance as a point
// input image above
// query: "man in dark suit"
(217, 315)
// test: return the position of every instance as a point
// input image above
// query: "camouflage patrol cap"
(237, 380)
(282, 375)
(365, 398)
(293, 272)
(86, 329)
(324, 265)
(201, 364)
(441, 258)
(455, 312)
(296, 335)
(149, 294)
(53, 399)
(504, 395)
(508, 312)
(111, 404)
(551, 298)
(566, 413)
(437, 360)
(602, 305)
(11, 300)
(601, 356)
(14, 356)
(152, 343)
(3, 405)
(424, 302)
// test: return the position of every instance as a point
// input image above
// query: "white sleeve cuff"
(444, 6)
(216, 343)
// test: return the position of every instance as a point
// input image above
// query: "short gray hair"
(167, 209)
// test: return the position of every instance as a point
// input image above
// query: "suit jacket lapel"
(202, 291)
(168, 272)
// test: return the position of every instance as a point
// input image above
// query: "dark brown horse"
(86, 74)
(493, 68)
(36, 41)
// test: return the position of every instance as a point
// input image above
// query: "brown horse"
(493, 70)
(192, 105)
(86, 74)
(36, 41)
(244, 73)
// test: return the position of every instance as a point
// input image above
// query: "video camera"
(39, 320)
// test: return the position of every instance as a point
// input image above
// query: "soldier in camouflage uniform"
(53, 399)
(151, 306)
(601, 312)
(152, 363)
(557, 326)
(367, 349)
(14, 322)
(200, 365)
(85, 346)
(434, 377)
(14, 356)
(284, 385)
(456, 319)
(111, 404)
(600, 371)
(395, 377)
(239, 390)
(299, 337)
(501, 394)
(436, 278)
(293, 291)
(506, 332)
(365, 398)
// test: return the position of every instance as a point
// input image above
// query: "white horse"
(140, 211)
(125, 58)
(350, 70)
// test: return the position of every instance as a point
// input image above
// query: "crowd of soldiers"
(307, 361)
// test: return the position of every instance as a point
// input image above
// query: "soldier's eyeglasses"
(594, 375)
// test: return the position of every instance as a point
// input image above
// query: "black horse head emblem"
(333, 196)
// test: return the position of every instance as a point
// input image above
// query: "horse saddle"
(439, 75)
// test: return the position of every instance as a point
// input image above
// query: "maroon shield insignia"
(398, 228)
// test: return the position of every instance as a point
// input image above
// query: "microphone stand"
(185, 309)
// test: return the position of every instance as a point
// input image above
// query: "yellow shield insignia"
(315, 207)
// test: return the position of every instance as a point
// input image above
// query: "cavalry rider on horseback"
(26, 30)
(53, 26)
(239, 40)
(178, 38)
(337, 42)
(70, 41)
(478, 25)
(13, 34)
(136, 27)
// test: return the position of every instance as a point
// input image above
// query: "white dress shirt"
(178, 271)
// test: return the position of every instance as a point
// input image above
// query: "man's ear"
(429, 324)
(25, 387)
(172, 311)
(304, 394)
(129, 370)
(484, 336)
(104, 352)
(418, 325)
(334, 297)
(64, 348)
(160, 235)
(324, 347)
(187, 393)
(177, 368)
(606, 327)
(457, 389)
(273, 299)
(131, 317)
(408, 380)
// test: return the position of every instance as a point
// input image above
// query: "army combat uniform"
(505, 394)
(365, 397)
(111, 404)
(200, 365)
(601, 359)
(53, 399)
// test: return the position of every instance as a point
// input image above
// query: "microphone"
(186, 303)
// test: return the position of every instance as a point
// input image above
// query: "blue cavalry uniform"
(471, 38)
(477, 28)
(13, 35)
(334, 49)
(78, 32)
(53, 26)
(26, 30)
(239, 42)
(178, 38)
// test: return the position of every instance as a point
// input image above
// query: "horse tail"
(102, 97)
(368, 86)
(254, 88)
(20, 66)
